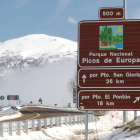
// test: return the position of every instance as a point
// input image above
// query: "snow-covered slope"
(130, 131)
(34, 50)
(7, 110)
(41, 67)
(38, 44)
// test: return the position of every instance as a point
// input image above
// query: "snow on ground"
(64, 132)
(100, 128)
(129, 131)
(38, 44)
(7, 113)
(7, 110)
(12, 116)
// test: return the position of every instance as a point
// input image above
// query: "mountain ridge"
(33, 51)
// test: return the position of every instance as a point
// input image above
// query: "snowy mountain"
(38, 66)
(33, 51)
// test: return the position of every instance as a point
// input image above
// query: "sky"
(49, 83)
(53, 17)
(115, 29)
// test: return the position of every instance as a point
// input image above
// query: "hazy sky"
(53, 17)
(49, 83)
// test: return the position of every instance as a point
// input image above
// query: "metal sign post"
(108, 66)
(74, 95)
(125, 13)
(135, 114)
(2, 98)
(86, 126)
(125, 113)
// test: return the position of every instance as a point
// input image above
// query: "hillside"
(38, 66)
(129, 131)
(33, 51)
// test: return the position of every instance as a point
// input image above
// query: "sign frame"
(138, 87)
(2, 97)
(85, 66)
(95, 21)
(110, 8)
(103, 109)
(12, 97)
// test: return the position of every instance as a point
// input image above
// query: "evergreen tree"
(110, 35)
(106, 36)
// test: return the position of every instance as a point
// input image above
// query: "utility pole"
(62, 102)
(124, 5)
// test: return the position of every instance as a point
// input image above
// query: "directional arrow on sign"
(84, 78)
(137, 99)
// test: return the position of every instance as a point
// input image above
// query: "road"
(29, 113)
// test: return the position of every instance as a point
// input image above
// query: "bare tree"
(72, 83)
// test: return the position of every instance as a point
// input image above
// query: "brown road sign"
(109, 78)
(108, 100)
(109, 43)
(111, 13)
(108, 63)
